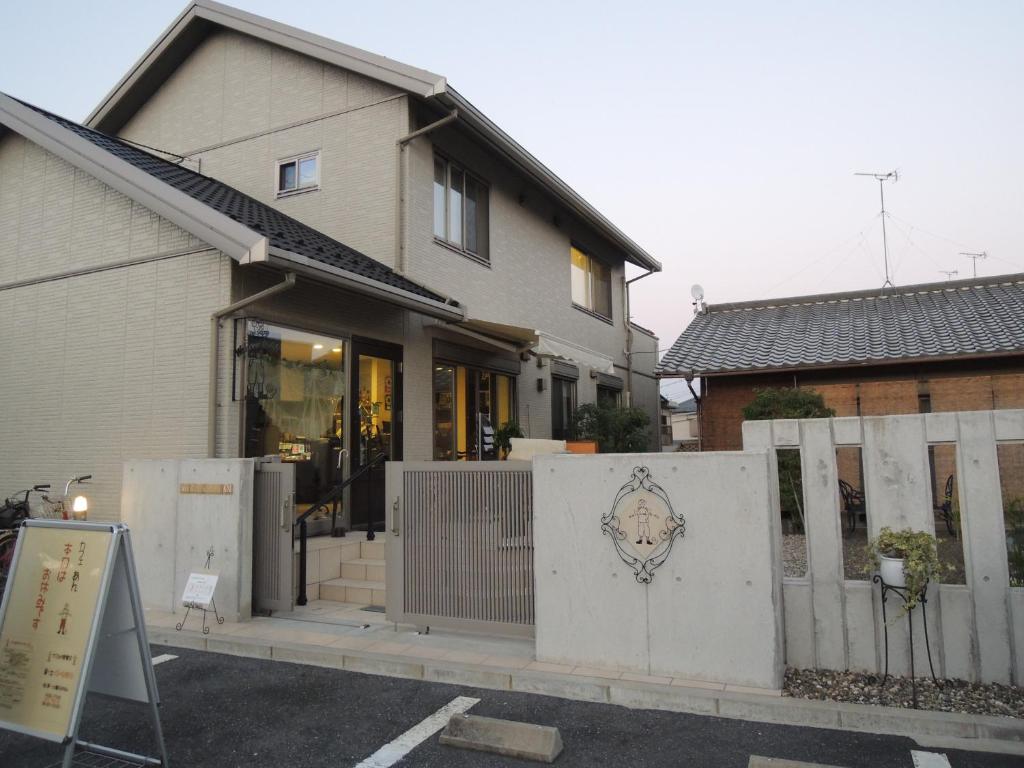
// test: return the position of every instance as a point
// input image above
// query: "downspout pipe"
(215, 318)
(400, 218)
(629, 334)
(700, 411)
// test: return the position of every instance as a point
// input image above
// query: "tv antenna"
(949, 273)
(974, 259)
(882, 178)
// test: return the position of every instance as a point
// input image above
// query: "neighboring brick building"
(949, 346)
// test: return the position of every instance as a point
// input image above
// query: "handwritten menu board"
(46, 626)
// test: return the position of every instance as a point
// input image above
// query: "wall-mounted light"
(80, 507)
(540, 385)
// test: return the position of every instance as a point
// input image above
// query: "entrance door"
(376, 424)
(273, 510)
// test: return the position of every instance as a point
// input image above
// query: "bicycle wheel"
(8, 540)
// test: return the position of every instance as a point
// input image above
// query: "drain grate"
(373, 608)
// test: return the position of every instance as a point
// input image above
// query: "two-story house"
(265, 242)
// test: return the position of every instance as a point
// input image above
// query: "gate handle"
(394, 516)
(287, 511)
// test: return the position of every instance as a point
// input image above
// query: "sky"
(722, 137)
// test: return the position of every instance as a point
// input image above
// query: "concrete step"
(360, 591)
(373, 550)
(363, 568)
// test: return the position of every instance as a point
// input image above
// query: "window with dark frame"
(591, 283)
(460, 209)
(298, 174)
(563, 408)
(462, 395)
(608, 397)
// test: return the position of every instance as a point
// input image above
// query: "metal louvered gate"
(273, 512)
(460, 545)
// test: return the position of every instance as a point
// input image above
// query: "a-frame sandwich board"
(71, 623)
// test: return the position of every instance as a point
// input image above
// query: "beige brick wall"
(234, 86)
(106, 366)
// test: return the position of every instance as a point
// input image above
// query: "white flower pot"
(891, 571)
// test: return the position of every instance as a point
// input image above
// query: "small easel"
(212, 604)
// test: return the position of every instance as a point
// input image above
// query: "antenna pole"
(949, 273)
(885, 241)
(882, 178)
(974, 259)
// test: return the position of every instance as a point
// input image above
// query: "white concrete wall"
(104, 366)
(711, 611)
(976, 630)
(172, 531)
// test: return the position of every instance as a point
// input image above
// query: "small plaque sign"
(199, 590)
(209, 489)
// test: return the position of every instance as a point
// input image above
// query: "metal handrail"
(328, 498)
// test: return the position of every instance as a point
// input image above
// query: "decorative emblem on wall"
(642, 524)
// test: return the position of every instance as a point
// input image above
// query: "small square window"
(298, 173)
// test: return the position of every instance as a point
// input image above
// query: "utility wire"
(822, 257)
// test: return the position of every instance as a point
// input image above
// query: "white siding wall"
(106, 366)
(234, 87)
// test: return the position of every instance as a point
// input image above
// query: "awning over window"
(552, 346)
(540, 343)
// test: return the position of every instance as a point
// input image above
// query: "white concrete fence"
(977, 629)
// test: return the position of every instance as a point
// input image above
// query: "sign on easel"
(199, 589)
(71, 622)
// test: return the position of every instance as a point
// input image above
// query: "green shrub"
(616, 429)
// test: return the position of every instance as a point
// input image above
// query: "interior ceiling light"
(336, 349)
(318, 346)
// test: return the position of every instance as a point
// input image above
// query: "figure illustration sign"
(642, 524)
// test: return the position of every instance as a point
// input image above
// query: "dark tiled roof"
(281, 231)
(967, 318)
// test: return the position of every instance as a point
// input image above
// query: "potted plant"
(905, 559)
(503, 437)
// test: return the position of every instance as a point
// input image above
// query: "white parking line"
(929, 759)
(162, 658)
(394, 751)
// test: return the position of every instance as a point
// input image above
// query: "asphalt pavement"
(223, 711)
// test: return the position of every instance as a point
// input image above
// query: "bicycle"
(13, 513)
(16, 511)
(59, 509)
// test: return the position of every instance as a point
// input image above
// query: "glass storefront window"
(465, 401)
(295, 404)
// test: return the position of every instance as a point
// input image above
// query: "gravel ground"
(861, 688)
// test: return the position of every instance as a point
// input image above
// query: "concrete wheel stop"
(540, 743)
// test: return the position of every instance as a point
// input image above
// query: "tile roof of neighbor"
(966, 318)
(281, 231)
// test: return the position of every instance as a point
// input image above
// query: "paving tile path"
(222, 711)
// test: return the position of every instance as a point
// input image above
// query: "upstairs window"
(591, 283)
(460, 209)
(298, 174)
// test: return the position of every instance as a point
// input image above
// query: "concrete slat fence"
(977, 629)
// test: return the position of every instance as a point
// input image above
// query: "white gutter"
(363, 285)
(215, 318)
